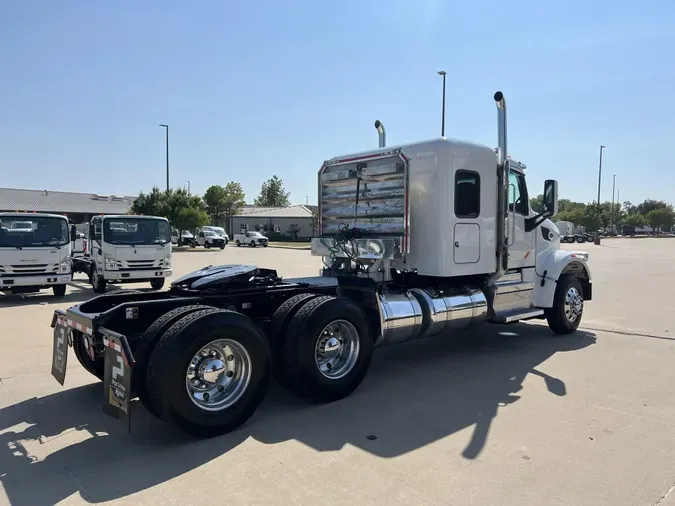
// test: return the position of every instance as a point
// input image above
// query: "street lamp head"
(603, 146)
(164, 126)
(441, 72)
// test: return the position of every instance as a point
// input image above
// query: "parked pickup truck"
(210, 239)
(253, 239)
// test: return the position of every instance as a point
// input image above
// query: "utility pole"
(188, 184)
(166, 127)
(442, 74)
(597, 235)
(612, 214)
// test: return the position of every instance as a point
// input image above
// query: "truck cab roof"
(422, 148)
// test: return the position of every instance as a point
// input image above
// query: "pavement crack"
(630, 333)
(665, 496)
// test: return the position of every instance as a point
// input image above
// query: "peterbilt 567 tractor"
(200, 355)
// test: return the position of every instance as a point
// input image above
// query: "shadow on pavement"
(414, 394)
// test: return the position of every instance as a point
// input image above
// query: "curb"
(302, 248)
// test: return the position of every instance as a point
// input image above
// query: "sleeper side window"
(467, 194)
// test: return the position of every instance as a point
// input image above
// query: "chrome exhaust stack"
(381, 132)
(502, 191)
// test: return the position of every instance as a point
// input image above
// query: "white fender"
(549, 266)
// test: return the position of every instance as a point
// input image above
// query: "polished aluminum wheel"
(218, 375)
(574, 304)
(337, 349)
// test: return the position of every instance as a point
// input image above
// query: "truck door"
(96, 235)
(466, 233)
(521, 243)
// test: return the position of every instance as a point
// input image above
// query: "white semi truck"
(35, 253)
(126, 249)
(199, 356)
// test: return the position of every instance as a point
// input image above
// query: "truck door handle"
(456, 244)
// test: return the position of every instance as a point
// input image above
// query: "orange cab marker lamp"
(527, 254)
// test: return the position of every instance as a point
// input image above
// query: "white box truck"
(127, 249)
(35, 253)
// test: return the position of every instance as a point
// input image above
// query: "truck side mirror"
(73, 234)
(550, 198)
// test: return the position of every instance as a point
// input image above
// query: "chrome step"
(518, 315)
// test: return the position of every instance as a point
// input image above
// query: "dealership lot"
(504, 415)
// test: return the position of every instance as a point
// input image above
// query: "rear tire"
(157, 284)
(145, 348)
(277, 331)
(94, 367)
(580, 240)
(238, 244)
(568, 306)
(59, 290)
(327, 328)
(179, 347)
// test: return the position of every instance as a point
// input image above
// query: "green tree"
(537, 203)
(215, 202)
(635, 220)
(659, 218)
(273, 194)
(151, 204)
(169, 204)
(190, 218)
(651, 205)
(234, 200)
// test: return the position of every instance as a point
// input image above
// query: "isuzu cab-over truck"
(200, 355)
(126, 249)
(35, 253)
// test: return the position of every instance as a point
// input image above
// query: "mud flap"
(117, 376)
(60, 346)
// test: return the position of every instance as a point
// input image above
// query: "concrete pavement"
(503, 415)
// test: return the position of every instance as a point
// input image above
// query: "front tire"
(98, 283)
(568, 306)
(222, 246)
(238, 244)
(211, 372)
(59, 290)
(157, 284)
(207, 245)
(327, 349)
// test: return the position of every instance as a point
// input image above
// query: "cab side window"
(518, 199)
(467, 194)
(96, 226)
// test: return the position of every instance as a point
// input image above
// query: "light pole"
(597, 235)
(442, 74)
(166, 127)
(612, 213)
(188, 182)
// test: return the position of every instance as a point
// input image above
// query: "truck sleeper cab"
(418, 240)
(35, 253)
(127, 249)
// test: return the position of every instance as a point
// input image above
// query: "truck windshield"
(22, 232)
(217, 230)
(136, 231)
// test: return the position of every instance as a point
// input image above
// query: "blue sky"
(252, 89)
